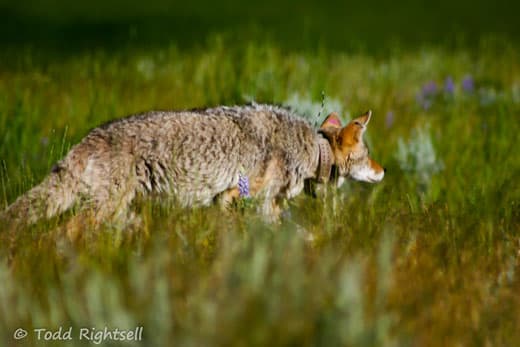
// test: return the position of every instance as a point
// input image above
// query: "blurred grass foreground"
(428, 257)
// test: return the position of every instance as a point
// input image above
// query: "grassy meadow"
(428, 257)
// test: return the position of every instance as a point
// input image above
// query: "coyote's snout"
(198, 157)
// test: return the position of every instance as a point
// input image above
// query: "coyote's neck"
(326, 160)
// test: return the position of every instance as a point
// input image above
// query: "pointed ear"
(331, 127)
(332, 120)
(353, 132)
(363, 119)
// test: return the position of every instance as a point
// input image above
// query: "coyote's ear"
(353, 132)
(332, 120)
(331, 127)
(363, 119)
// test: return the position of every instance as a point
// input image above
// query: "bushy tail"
(55, 194)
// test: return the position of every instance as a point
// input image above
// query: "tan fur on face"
(375, 166)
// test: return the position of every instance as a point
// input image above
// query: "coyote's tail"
(55, 194)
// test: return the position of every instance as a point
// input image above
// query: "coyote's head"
(350, 152)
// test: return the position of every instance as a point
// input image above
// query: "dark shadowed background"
(370, 26)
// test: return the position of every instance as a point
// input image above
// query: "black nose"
(384, 169)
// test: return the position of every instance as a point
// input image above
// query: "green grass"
(428, 257)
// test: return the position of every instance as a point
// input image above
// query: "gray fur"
(192, 156)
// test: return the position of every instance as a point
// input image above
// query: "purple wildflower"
(429, 89)
(389, 119)
(468, 84)
(243, 186)
(449, 86)
(427, 94)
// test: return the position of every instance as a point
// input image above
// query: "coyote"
(198, 157)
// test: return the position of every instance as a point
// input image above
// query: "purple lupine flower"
(389, 119)
(468, 84)
(449, 86)
(427, 94)
(429, 89)
(243, 186)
